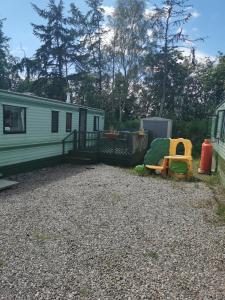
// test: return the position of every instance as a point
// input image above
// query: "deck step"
(79, 160)
(5, 184)
(84, 154)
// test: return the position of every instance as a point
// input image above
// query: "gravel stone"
(75, 232)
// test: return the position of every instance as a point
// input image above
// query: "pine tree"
(94, 39)
(78, 55)
(168, 20)
(4, 56)
(52, 56)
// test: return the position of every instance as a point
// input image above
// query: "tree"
(129, 44)
(77, 52)
(52, 56)
(28, 67)
(213, 80)
(4, 56)
(168, 22)
(94, 36)
(154, 76)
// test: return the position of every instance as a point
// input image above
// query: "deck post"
(63, 147)
(150, 138)
(75, 140)
(98, 141)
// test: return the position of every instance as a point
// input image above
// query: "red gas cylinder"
(206, 157)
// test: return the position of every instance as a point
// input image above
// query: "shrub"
(128, 125)
(195, 130)
(141, 170)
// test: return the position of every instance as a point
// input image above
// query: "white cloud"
(149, 12)
(201, 56)
(195, 14)
(182, 30)
(150, 33)
(19, 51)
(109, 10)
(108, 35)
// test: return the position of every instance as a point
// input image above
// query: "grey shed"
(160, 127)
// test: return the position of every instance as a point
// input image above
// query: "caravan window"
(68, 122)
(55, 121)
(14, 119)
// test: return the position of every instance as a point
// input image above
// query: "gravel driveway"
(101, 232)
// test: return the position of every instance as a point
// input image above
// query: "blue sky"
(208, 22)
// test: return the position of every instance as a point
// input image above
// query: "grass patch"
(214, 183)
(152, 254)
(208, 203)
(84, 292)
(131, 171)
(210, 180)
(221, 211)
(40, 236)
(143, 172)
(116, 196)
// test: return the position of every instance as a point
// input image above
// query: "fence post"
(75, 140)
(150, 138)
(63, 147)
(98, 141)
(130, 143)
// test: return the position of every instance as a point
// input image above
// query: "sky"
(208, 21)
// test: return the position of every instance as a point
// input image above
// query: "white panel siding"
(218, 144)
(22, 155)
(38, 130)
(90, 122)
(38, 124)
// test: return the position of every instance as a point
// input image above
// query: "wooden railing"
(74, 140)
(88, 141)
(82, 141)
(121, 147)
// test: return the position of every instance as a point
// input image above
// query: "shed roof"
(218, 106)
(41, 99)
(156, 119)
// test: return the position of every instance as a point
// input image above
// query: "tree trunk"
(165, 71)
(164, 92)
(120, 113)
(113, 78)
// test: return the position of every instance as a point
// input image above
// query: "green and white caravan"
(218, 141)
(33, 129)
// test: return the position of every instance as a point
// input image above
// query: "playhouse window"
(68, 122)
(55, 121)
(96, 123)
(14, 119)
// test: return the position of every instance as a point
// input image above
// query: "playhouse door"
(82, 128)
